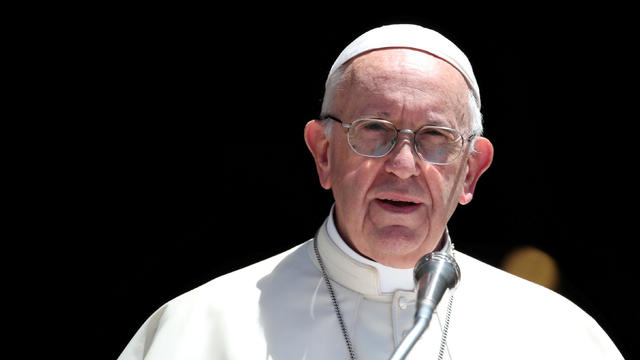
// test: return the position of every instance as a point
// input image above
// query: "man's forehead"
(403, 74)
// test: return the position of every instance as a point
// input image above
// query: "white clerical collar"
(391, 279)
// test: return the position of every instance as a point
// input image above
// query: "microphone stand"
(434, 274)
(420, 325)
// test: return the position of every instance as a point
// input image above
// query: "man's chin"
(400, 245)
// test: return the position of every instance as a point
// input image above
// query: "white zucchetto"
(414, 37)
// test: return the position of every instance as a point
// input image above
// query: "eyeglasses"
(376, 138)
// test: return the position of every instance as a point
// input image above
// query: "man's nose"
(403, 161)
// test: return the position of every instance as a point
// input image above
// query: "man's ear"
(318, 143)
(478, 162)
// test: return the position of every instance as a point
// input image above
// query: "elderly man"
(398, 142)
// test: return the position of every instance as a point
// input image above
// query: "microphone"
(434, 273)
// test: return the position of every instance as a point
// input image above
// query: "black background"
(178, 152)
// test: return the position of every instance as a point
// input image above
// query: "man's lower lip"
(397, 207)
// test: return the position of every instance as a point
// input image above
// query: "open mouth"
(398, 203)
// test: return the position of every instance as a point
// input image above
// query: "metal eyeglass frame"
(395, 139)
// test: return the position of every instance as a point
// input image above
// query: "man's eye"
(374, 127)
(433, 132)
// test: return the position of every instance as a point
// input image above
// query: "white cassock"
(280, 309)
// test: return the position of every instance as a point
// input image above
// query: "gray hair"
(475, 123)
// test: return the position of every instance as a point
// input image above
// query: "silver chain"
(445, 329)
(336, 307)
(343, 327)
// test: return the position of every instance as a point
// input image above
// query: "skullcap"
(414, 37)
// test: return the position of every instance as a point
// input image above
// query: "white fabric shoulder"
(521, 317)
(201, 322)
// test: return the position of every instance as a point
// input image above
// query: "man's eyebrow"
(426, 121)
(437, 122)
(383, 114)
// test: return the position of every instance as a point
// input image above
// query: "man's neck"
(391, 279)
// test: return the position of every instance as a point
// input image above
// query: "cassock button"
(403, 302)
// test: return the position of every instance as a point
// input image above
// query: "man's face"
(394, 209)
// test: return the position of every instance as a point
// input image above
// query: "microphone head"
(441, 263)
(433, 274)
